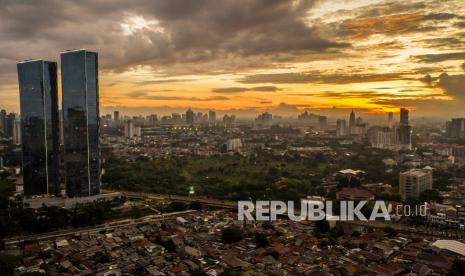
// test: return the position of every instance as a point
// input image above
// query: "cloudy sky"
(372, 55)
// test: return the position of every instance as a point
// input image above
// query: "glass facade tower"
(80, 107)
(39, 126)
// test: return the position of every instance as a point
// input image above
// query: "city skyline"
(157, 59)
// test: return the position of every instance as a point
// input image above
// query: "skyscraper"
(390, 118)
(404, 116)
(212, 116)
(341, 128)
(404, 129)
(79, 74)
(352, 122)
(456, 128)
(189, 117)
(39, 126)
(116, 117)
(129, 129)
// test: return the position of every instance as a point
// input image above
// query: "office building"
(390, 118)
(455, 128)
(79, 74)
(116, 117)
(212, 117)
(413, 182)
(265, 119)
(129, 129)
(189, 117)
(352, 122)
(341, 128)
(39, 126)
(404, 116)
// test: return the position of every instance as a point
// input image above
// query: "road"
(94, 229)
(188, 199)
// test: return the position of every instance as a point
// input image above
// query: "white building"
(413, 182)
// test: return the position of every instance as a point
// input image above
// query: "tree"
(8, 264)
(232, 234)
(430, 196)
(261, 240)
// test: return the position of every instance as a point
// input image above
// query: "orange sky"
(370, 55)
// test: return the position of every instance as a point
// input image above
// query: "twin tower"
(40, 125)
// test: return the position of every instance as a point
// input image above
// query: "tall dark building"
(189, 117)
(116, 117)
(456, 128)
(39, 126)
(79, 74)
(404, 116)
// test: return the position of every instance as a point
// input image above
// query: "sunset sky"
(159, 56)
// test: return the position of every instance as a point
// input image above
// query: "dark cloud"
(431, 58)
(453, 85)
(463, 66)
(231, 90)
(317, 77)
(446, 43)
(442, 16)
(146, 95)
(177, 31)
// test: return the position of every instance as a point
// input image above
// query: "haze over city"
(246, 57)
(232, 137)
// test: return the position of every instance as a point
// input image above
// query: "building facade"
(79, 73)
(413, 182)
(39, 127)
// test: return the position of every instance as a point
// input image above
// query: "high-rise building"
(129, 129)
(404, 116)
(212, 117)
(190, 117)
(455, 128)
(153, 119)
(177, 118)
(340, 128)
(2, 121)
(79, 74)
(17, 132)
(413, 182)
(390, 118)
(39, 126)
(116, 117)
(383, 138)
(352, 122)
(265, 119)
(8, 125)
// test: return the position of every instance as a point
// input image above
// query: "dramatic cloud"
(245, 89)
(439, 57)
(146, 95)
(318, 77)
(157, 33)
(453, 86)
(189, 53)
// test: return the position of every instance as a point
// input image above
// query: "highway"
(94, 229)
(226, 204)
